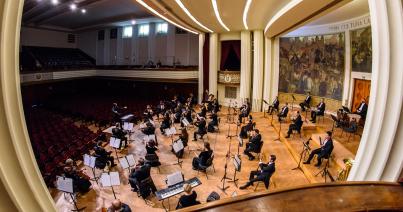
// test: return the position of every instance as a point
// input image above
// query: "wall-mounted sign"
(229, 77)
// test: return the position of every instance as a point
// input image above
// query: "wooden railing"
(341, 196)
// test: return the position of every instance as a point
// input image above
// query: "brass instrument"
(343, 173)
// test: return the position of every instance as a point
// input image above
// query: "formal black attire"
(253, 145)
(187, 200)
(103, 157)
(202, 159)
(295, 126)
(323, 151)
(320, 110)
(245, 110)
(80, 184)
(137, 175)
(165, 124)
(283, 113)
(305, 103)
(212, 123)
(362, 110)
(201, 129)
(264, 174)
(245, 129)
(273, 106)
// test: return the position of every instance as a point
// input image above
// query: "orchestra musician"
(283, 113)
(320, 110)
(325, 149)
(273, 106)
(161, 108)
(152, 158)
(203, 157)
(203, 111)
(81, 182)
(103, 156)
(148, 113)
(210, 102)
(352, 126)
(149, 129)
(184, 137)
(342, 118)
(119, 133)
(166, 123)
(306, 102)
(187, 199)
(117, 112)
(201, 128)
(362, 109)
(254, 144)
(247, 128)
(139, 173)
(296, 125)
(264, 174)
(118, 206)
(213, 123)
(216, 106)
(191, 100)
(245, 110)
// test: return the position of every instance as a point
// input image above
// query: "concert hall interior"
(196, 105)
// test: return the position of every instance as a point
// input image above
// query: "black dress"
(187, 200)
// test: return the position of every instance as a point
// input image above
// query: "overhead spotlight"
(83, 11)
(73, 6)
(133, 22)
(55, 2)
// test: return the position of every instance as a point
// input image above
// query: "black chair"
(298, 131)
(209, 163)
(145, 188)
(217, 128)
(350, 132)
(271, 182)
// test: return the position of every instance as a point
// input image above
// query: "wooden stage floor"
(286, 150)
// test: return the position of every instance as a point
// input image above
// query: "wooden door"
(362, 89)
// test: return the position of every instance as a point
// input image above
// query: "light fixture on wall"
(217, 14)
(245, 14)
(73, 7)
(163, 17)
(133, 22)
(55, 2)
(83, 11)
(191, 16)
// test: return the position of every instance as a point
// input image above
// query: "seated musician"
(103, 156)
(152, 157)
(306, 102)
(325, 149)
(283, 113)
(216, 105)
(161, 108)
(320, 110)
(81, 182)
(149, 129)
(254, 144)
(296, 125)
(203, 111)
(188, 114)
(177, 114)
(264, 174)
(213, 123)
(139, 173)
(201, 129)
(342, 118)
(148, 113)
(184, 137)
(244, 111)
(362, 109)
(192, 100)
(117, 112)
(247, 128)
(273, 106)
(353, 126)
(118, 132)
(118, 206)
(203, 157)
(187, 199)
(166, 123)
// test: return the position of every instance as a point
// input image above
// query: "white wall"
(46, 38)
(138, 50)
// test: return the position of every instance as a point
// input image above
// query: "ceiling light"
(83, 11)
(73, 6)
(55, 2)
(245, 13)
(133, 22)
(191, 16)
(163, 17)
(217, 14)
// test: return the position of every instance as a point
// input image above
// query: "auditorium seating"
(55, 138)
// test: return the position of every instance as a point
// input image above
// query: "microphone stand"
(223, 187)
(305, 150)
(279, 131)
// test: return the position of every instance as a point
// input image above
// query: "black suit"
(305, 103)
(214, 122)
(102, 157)
(362, 110)
(324, 151)
(275, 105)
(296, 126)
(253, 145)
(201, 129)
(245, 110)
(320, 111)
(202, 159)
(283, 113)
(136, 176)
(245, 129)
(264, 174)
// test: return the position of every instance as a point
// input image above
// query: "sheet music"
(123, 163)
(168, 132)
(185, 122)
(114, 142)
(237, 163)
(105, 180)
(240, 141)
(64, 184)
(173, 130)
(142, 125)
(150, 137)
(130, 159)
(128, 126)
(89, 160)
(178, 146)
(115, 181)
(174, 178)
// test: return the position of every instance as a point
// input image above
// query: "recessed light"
(83, 11)
(55, 2)
(73, 7)
(133, 22)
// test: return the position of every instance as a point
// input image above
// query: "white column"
(347, 70)
(275, 68)
(379, 156)
(258, 62)
(213, 65)
(202, 37)
(245, 86)
(268, 62)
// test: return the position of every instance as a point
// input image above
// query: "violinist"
(81, 182)
(245, 110)
(166, 123)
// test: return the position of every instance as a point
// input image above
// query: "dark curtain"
(226, 48)
(206, 61)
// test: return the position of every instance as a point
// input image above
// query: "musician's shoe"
(306, 162)
(243, 187)
(288, 136)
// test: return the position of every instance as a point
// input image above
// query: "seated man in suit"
(362, 109)
(296, 125)
(253, 145)
(244, 111)
(203, 157)
(353, 126)
(166, 123)
(320, 110)
(81, 182)
(103, 157)
(201, 128)
(273, 106)
(306, 102)
(264, 174)
(283, 113)
(213, 123)
(118, 132)
(139, 173)
(326, 147)
(248, 127)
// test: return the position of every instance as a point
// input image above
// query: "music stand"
(292, 102)
(346, 109)
(304, 152)
(240, 143)
(129, 127)
(127, 162)
(325, 171)
(115, 144)
(334, 118)
(89, 161)
(110, 179)
(279, 131)
(237, 168)
(264, 112)
(65, 185)
(178, 146)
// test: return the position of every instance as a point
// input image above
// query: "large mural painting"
(312, 64)
(361, 50)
